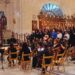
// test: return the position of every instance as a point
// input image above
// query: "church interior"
(37, 37)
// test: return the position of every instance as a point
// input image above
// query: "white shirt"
(40, 49)
(59, 35)
(67, 36)
(30, 49)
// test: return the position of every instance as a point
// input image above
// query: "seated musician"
(58, 47)
(26, 50)
(73, 54)
(35, 59)
(40, 51)
(11, 49)
(1, 53)
(47, 52)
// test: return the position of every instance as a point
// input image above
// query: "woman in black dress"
(47, 52)
(25, 50)
(11, 50)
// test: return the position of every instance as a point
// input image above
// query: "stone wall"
(20, 12)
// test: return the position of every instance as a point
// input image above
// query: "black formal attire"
(11, 50)
(25, 50)
(48, 53)
(1, 52)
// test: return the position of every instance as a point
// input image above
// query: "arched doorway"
(50, 16)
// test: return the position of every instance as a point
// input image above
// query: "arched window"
(52, 9)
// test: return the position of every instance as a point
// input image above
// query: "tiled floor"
(18, 72)
(69, 70)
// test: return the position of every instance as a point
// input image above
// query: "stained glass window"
(52, 9)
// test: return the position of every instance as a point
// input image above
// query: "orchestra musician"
(58, 47)
(10, 56)
(40, 51)
(1, 54)
(73, 53)
(26, 50)
(47, 52)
